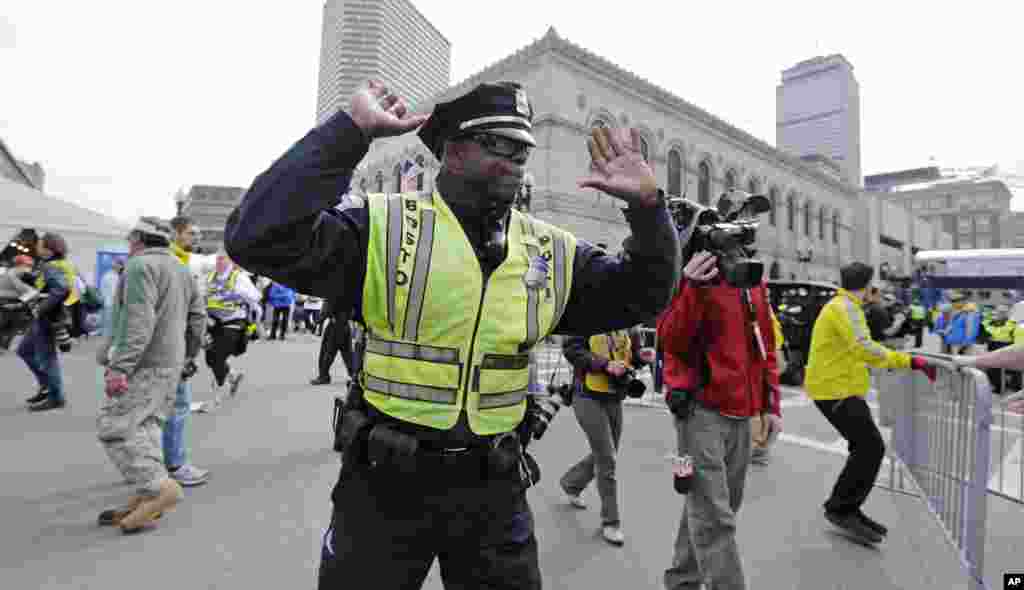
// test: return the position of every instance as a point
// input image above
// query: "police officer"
(918, 319)
(454, 289)
(1001, 332)
(337, 338)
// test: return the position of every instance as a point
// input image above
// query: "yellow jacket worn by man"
(837, 379)
(455, 287)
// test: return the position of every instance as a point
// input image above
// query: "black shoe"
(872, 524)
(35, 399)
(852, 524)
(320, 381)
(48, 404)
(44, 392)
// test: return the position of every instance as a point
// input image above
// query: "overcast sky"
(124, 102)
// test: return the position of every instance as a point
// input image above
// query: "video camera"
(728, 232)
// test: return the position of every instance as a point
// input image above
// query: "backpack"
(92, 300)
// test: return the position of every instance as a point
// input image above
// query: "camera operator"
(16, 287)
(720, 370)
(605, 373)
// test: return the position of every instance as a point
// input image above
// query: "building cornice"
(17, 165)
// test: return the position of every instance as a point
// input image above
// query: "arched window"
(380, 181)
(775, 271)
(791, 213)
(821, 223)
(752, 187)
(675, 173)
(398, 178)
(644, 149)
(807, 219)
(730, 179)
(773, 196)
(835, 228)
(419, 177)
(704, 184)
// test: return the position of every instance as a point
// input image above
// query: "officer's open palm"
(379, 113)
(618, 168)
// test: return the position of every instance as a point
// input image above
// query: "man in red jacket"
(719, 346)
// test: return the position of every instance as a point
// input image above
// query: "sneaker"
(44, 392)
(320, 381)
(872, 524)
(575, 500)
(234, 380)
(47, 404)
(189, 475)
(150, 509)
(759, 456)
(853, 525)
(613, 534)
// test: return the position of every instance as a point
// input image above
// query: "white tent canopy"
(87, 232)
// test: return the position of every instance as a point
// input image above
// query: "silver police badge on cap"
(522, 105)
(536, 277)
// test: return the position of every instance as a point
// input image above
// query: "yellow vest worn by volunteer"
(616, 346)
(217, 291)
(70, 272)
(842, 350)
(438, 341)
(1008, 332)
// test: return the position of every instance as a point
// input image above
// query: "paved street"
(258, 523)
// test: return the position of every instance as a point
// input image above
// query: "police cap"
(501, 108)
(151, 227)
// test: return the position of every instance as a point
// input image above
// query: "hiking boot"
(873, 524)
(189, 475)
(613, 534)
(114, 516)
(852, 524)
(44, 392)
(150, 509)
(320, 381)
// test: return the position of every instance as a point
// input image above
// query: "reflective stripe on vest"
(1002, 333)
(621, 349)
(217, 290)
(438, 342)
(70, 272)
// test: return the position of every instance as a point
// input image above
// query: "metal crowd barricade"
(1007, 479)
(941, 436)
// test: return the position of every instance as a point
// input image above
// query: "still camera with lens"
(728, 232)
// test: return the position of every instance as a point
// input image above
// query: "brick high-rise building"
(385, 39)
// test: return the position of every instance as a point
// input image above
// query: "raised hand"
(381, 114)
(618, 168)
(701, 267)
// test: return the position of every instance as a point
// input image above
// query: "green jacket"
(159, 314)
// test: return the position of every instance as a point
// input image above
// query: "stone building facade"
(814, 227)
(209, 207)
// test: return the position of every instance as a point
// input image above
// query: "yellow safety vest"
(438, 341)
(217, 291)
(917, 312)
(1004, 332)
(70, 272)
(621, 350)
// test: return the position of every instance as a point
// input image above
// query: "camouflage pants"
(129, 427)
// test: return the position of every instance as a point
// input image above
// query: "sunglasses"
(500, 145)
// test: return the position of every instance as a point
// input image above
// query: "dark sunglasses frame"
(491, 143)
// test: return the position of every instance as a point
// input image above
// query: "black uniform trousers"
(225, 339)
(280, 318)
(337, 338)
(390, 522)
(852, 418)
